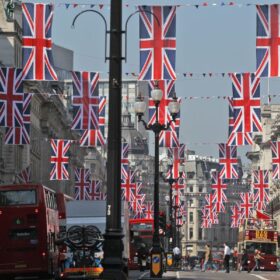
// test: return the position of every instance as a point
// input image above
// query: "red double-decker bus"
(140, 231)
(259, 235)
(29, 226)
(62, 199)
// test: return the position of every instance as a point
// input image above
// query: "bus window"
(13, 198)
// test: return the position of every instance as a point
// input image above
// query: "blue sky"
(209, 39)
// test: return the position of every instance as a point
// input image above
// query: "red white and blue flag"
(237, 138)
(128, 184)
(149, 210)
(246, 205)
(24, 176)
(37, 42)
(228, 161)
(275, 149)
(85, 100)
(96, 137)
(11, 97)
(82, 184)
(137, 201)
(59, 159)
(235, 217)
(218, 188)
(96, 190)
(21, 135)
(246, 103)
(157, 42)
(268, 41)
(124, 160)
(261, 188)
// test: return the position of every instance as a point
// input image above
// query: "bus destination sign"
(260, 235)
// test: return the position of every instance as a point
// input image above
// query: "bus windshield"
(17, 197)
(268, 248)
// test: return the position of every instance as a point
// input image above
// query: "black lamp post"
(156, 270)
(171, 180)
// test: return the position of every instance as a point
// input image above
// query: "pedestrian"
(234, 259)
(257, 258)
(177, 256)
(206, 257)
(142, 257)
(244, 261)
(226, 257)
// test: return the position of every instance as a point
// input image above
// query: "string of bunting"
(100, 6)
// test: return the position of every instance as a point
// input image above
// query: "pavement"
(209, 275)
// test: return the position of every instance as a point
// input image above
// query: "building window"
(191, 188)
(191, 217)
(200, 189)
(191, 233)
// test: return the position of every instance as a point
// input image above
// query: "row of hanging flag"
(100, 5)
(157, 42)
(255, 200)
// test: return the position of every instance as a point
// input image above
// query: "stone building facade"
(51, 114)
(198, 184)
(261, 156)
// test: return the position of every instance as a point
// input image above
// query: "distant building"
(198, 184)
(261, 156)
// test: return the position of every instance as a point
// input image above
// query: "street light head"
(156, 93)
(174, 106)
(139, 105)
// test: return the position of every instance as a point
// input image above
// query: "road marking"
(258, 276)
(177, 275)
(145, 273)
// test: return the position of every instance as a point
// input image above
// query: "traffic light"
(168, 230)
(162, 221)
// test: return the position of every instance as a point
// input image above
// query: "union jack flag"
(85, 100)
(275, 149)
(128, 184)
(124, 160)
(24, 176)
(228, 161)
(246, 206)
(59, 159)
(210, 208)
(82, 184)
(237, 138)
(96, 137)
(157, 42)
(219, 191)
(137, 203)
(37, 42)
(96, 190)
(246, 103)
(11, 97)
(268, 41)
(149, 210)
(21, 135)
(261, 188)
(235, 217)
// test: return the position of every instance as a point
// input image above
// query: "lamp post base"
(156, 269)
(114, 266)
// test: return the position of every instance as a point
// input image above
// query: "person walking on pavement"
(176, 253)
(226, 257)
(257, 258)
(206, 257)
(244, 261)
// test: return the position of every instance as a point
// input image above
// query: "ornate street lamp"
(171, 180)
(140, 107)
